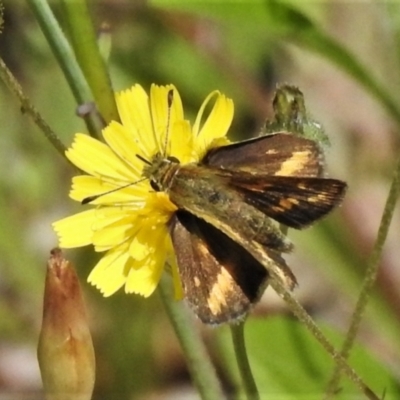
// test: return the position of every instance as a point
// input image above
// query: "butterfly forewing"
(281, 175)
(280, 154)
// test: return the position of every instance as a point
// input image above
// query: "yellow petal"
(106, 216)
(124, 144)
(76, 230)
(138, 250)
(159, 206)
(151, 230)
(96, 158)
(149, 249)
(111, 271)
(114, 225)
(164, 115)
(180, 144)
(216, 125)
(144, 279)
(134, 110)
(85, 186)
(115, 234)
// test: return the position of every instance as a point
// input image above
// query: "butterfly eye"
(173, 159)
(155, 186)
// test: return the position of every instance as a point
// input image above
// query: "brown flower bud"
(65, 350)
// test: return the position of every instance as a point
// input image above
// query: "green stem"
(65, 57)
(370, 277)
(28, 108)
(304, 317)
(249, 384)
(85, 45)
(199, 364)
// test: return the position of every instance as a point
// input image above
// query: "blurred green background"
(242, 49)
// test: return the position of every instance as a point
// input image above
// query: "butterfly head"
(160, 171)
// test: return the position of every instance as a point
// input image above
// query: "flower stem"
(28, 108)
(65, 57)
(249, 384)
(199, 364)
(369, 280)
(83, 39)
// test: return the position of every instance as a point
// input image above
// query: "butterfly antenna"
(169, 102)
(141, 158)
(89, 199)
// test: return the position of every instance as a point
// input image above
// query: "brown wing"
(295, 202)
(220, 279)
(281, 154)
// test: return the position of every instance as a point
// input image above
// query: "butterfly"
(227, 246)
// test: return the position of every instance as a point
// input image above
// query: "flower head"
(129, 220)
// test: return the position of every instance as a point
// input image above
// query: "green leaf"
(288, 362)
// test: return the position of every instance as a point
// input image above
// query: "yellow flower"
(130, 220)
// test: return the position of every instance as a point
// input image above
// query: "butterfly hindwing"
(295, 202)
(220, 279)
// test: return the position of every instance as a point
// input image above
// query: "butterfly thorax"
(161, 171)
